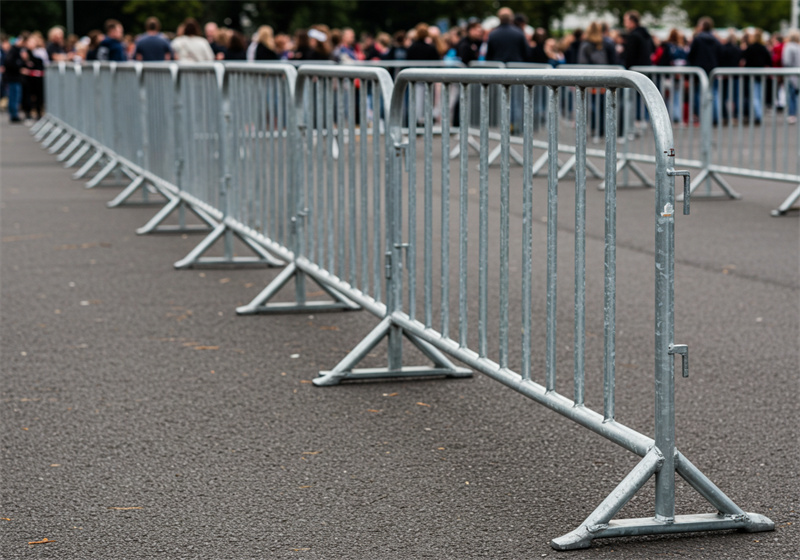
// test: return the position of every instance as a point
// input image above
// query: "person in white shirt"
(191, 46)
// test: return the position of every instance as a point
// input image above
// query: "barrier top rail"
(407, 63)
(755, 72)
(591, 76)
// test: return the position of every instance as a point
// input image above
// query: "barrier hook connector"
(687, 190)
(683, 350)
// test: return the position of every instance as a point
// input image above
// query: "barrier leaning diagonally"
(421, 278)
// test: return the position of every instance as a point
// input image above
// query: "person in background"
(129, 45)
(111, 47)
(593, 49)
(672, 52)
(345, 51)
(283, 46)
(222, 40)
(609, 43)
(33, 85)
(5, 46)
(421, 49)
(265, 48)
(237, 46)
(302, 45)
(705, 53)
(71, 44)
(13, 74)
(776, 43)
(81, 50)
(152, 46)
(211, 30)
(469, 47)
(536, 51)
(191, 47)
(397, 50)
(790, 58)
(55, 44)
(555, 57)
(95, 38)
(383, 42)
(571, 52)
(639, 44)
(319, 42)
(435, 38)
(756, 55)
(730, 57)
(37, 47)
(368, 47)
(506, 42)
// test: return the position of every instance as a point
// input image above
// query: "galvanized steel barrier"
(753, 138)
(339, 164)
(420, 304)
(295, 165)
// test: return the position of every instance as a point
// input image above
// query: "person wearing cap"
(319, 41)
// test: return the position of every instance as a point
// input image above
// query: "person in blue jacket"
(111, 48)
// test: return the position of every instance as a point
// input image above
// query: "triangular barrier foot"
(195, 258)
(345, 370)
(259, 305)
(154, 225)
(600, 524)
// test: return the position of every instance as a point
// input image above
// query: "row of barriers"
(727, 121)
(349, 179)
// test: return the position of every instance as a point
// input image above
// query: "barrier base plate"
(583, 536)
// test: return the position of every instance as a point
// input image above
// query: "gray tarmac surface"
(141, 418)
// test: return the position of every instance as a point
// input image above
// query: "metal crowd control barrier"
(220, 126)
(419, 266)
(363, 226)
(753, 138)
(338, 193)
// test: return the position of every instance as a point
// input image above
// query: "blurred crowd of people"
(509, 39)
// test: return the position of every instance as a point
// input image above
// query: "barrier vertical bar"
(528, 128)
(363, 143)
(505, 122)
(609, 298)
(428, 206)
(552, 238)
(444, 325)
(411, 159)
(463, 221)
(580, 246)
(483, 227)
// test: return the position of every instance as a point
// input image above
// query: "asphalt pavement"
(141, 418)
